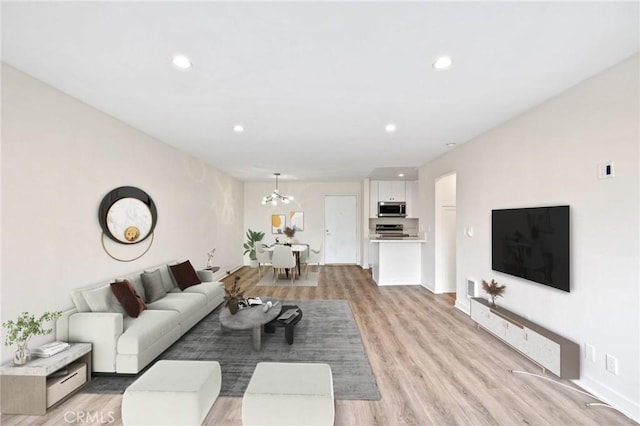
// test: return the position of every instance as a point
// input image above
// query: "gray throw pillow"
(152, 283)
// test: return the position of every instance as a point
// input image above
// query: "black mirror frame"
(118, 194)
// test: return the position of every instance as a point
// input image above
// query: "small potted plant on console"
(494, 290)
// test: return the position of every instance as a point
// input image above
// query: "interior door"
(340, 227)
(448, 246)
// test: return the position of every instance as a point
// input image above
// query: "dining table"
(297, 250)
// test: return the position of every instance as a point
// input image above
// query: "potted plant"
(290, 233)
(24, 328)
(232, 296)
(253, 237)
(494, 290)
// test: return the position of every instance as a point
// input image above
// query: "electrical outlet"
(590, 352)
(612, 364)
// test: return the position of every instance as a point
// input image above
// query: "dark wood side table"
(288, 325)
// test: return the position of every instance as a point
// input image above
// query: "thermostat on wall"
(606, 170)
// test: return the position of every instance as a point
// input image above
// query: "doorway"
(340, 229)
(445, 238)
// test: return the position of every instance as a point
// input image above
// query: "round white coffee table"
(250, 318)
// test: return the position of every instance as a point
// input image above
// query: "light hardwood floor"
(432, 365)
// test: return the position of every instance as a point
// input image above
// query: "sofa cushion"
(102, 299)
(153, 287)
(128, 298)
(212, 290)
(184, 303)
(79, 301)
(136, 282)
(142, 332)
(168, 281)
(184, 274)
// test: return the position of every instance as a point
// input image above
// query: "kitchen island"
(396, 261)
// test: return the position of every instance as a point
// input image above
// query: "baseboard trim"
(220, 275)
(463, 308)
(620, 402)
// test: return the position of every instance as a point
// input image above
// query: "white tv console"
(547, 349)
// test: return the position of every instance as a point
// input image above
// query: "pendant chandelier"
(275, 196)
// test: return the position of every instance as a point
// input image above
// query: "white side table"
(24, 388)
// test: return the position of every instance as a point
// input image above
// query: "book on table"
(49, 349)
(288, 314)
(251, 301)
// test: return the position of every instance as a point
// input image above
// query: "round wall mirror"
(127, 215)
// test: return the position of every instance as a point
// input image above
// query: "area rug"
(302, 281)
(326, 333)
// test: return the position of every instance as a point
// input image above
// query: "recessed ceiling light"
(400, 174)
(390, 128)
(442, 63)
(238, 128)
(182, 62)
(450, 144)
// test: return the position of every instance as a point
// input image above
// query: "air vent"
(472, 288)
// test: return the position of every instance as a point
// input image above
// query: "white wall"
(59, 158)
(308, 198)
(549, 156)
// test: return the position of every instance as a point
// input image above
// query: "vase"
(233, 306)
(22, 355)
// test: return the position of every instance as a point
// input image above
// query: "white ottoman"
(172, 393)
(289, 394)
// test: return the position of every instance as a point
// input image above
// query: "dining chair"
(313, 258)
(281, 259)
(263, 256)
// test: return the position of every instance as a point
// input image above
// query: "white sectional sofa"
(122, 344)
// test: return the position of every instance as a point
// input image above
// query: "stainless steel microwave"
(392, 209)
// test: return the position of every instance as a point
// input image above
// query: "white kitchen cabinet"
(373, 199)
(396, 262)
(552, 352)
(411, 197)
(391, 190)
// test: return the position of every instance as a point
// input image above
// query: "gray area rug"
(302, 281)
(326, 333)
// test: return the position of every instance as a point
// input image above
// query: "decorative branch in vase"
(290, 233)
(494, 290)
(24, 328)
(210, 258)
(233, 295)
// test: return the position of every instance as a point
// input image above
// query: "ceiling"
(315, 83)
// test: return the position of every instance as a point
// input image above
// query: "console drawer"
(59, 387)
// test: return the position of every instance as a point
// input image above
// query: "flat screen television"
(532, 243)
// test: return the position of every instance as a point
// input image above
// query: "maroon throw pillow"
(185, 275)
(128, 298)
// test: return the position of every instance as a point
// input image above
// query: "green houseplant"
(24, 328)
(253, 237)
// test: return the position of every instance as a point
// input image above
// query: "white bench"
(289, 394)
(172, 393)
